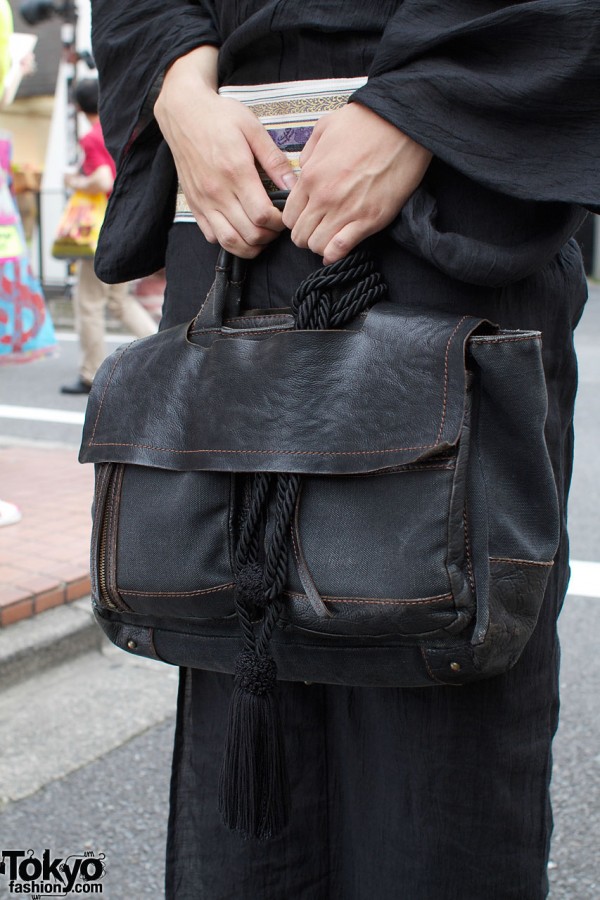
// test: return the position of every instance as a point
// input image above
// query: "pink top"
(95, 153)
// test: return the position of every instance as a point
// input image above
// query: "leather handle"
(225, 295)
(278, 198)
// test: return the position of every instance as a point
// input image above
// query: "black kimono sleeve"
(505, 93)
(133, 42)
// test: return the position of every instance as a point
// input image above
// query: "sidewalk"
(44, 558)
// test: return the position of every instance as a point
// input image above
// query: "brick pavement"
(44, 558)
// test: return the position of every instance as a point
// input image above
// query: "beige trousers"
(91, 299)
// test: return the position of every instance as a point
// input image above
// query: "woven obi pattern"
(289, 110)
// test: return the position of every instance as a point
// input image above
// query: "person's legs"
(129, 311)
(89, 302)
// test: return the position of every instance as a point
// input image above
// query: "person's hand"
(216, 143)
(358, 171)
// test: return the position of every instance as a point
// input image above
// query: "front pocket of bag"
(162, 546)
(376, 548)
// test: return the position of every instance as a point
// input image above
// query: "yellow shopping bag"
(79, 226)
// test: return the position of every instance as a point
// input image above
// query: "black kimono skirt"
(425, 794)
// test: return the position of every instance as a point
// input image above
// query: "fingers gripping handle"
(225, 296)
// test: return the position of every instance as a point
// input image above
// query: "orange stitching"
(236, 332)
(267, 452)
(470, 575)
(211, 291)
(101, 480)
(392, 602)
(262, 316)
(112, 371)
(267, 332)
(287, 452)
(424, 467)
(429, 672)
(501, 340)
(437, 599)
(445, 403)
(519, 562)
(221, 587)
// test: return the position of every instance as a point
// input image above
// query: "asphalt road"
(87, 763)
(87, 767)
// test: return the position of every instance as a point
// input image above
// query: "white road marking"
(69, 337)
(585, 576)
(585, 579)
(41, 414)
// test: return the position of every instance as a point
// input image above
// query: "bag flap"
(388, 390)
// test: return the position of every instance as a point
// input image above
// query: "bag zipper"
(108, 596)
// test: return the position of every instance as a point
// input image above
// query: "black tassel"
(254, 794)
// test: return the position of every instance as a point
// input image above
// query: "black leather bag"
(358, 492)
(426, 523)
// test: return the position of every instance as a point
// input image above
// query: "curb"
(32, 646)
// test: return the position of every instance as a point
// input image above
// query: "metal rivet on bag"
(131, 645)
(455, 666)
(308, 683)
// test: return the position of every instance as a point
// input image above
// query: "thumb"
(270, 158)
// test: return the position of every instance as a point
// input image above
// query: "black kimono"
(430, 794)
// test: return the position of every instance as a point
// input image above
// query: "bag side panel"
(523, 518)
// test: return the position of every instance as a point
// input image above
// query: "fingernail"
(289, 180)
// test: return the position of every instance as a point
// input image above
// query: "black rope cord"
(329, 297)
(253, 788)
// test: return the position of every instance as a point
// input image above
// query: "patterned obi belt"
(289, 110)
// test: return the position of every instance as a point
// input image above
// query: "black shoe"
(78, 387)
